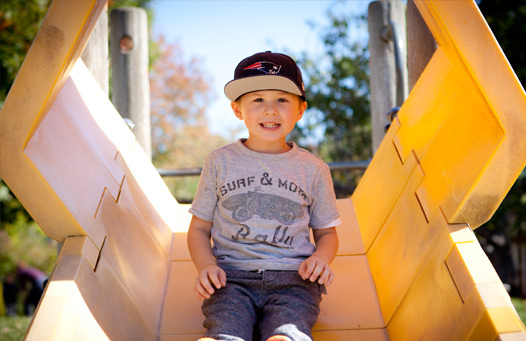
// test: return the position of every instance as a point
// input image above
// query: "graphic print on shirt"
(267, 206)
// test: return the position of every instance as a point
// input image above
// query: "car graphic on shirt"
(267, 206)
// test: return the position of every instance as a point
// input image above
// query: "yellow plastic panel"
(349, 231)
(460, 274)
(95, 158)
(463, 124)
(494, 295)
(82, 304)
(461, 233)
(83, 177)
(162, 211)
(60, 41)
(64, 303)
(464, 287)
(497, 321)
(187, 337)
(474, 112)
(179, 247)
(107, 298)
(135, 236)
(510, 337)
(445, 123)
(433, 307)
(77, 168)
(468, 265)
(355, 335)
(351, 302)
(400, 248)
(132, 254)
(69, 119)
(81, 245)
(182, 309)
(380, 187)
(142, 183)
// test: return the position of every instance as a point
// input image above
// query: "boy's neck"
(267, 148)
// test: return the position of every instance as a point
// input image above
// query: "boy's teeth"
(270, 125)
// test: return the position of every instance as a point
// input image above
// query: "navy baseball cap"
(266, 71)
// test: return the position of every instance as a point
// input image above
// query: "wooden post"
(129, 66)
(386, 22)
(420, 43)
(95, 55)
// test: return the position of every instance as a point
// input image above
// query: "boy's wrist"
(204, 266)
(322, 257)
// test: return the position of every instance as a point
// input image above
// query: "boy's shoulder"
(311, 157)
(228, 148)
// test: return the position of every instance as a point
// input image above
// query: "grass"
(14, 328)
(520, 306)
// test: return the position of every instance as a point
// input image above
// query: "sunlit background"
(222, 33)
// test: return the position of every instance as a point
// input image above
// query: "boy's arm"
(317, 265)
(209, 273)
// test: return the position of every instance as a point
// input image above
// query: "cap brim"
(236, 88)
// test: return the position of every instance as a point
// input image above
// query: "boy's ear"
(236, 109)
(303, 107)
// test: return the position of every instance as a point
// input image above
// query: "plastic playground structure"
(409, 266)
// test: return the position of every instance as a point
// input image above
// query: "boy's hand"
(209, 277)
(316, 268)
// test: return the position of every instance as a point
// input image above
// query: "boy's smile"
(269, 115)
(270, 125)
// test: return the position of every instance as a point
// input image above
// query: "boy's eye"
(258, 100)
(282, 100)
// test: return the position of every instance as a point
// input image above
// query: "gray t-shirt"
(262, 205)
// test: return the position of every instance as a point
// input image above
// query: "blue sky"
(221, 33)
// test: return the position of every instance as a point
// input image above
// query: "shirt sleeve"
(205, 200)
(323, 210)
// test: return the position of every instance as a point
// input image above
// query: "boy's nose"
(271, 110)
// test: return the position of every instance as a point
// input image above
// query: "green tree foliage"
(20, 237)
(506, 19)
(19, 23)
(112, 4)
(337, 84)
(180, 94)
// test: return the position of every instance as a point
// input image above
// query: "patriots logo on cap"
(266, 67)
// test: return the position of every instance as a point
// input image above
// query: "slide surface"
(409, 266)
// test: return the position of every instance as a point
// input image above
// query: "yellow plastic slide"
(409, 266)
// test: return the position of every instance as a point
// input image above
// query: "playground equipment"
(409, 266)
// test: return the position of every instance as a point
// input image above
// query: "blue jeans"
(257, 305)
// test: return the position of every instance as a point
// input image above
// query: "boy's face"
(269, 115)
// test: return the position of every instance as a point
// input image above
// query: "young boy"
(256, 199)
